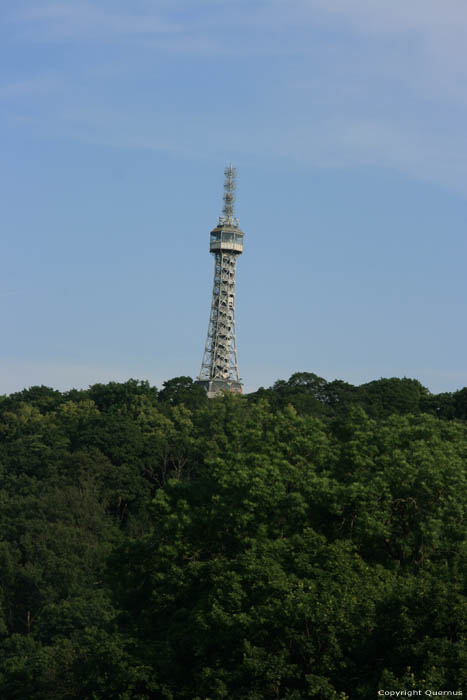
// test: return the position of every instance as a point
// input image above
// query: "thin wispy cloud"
(435, 33)
(35, 87)
(392, 15)
(331, 82)
(68, 21)
(10, 293)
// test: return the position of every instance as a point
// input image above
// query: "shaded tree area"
(304, 541)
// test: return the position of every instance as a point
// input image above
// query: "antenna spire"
(229, 196)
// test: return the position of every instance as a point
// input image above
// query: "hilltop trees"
(307, 541)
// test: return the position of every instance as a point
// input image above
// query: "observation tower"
(219, 369)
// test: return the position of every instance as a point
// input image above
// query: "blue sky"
(346, 121)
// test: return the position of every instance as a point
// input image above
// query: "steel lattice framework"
(219, 369)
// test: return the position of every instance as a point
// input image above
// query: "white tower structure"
(219, 369)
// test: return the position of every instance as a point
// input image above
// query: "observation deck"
(228, 239)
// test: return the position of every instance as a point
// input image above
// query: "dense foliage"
(305, 541)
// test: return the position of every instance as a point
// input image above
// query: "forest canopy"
(303, 541)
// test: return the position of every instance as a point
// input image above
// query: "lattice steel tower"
(219, 369)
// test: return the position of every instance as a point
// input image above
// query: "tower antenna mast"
(230, 185)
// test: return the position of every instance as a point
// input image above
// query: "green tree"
(183, 390)
(383, 397)
(116, 397)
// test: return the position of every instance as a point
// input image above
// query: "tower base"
(216, 387)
